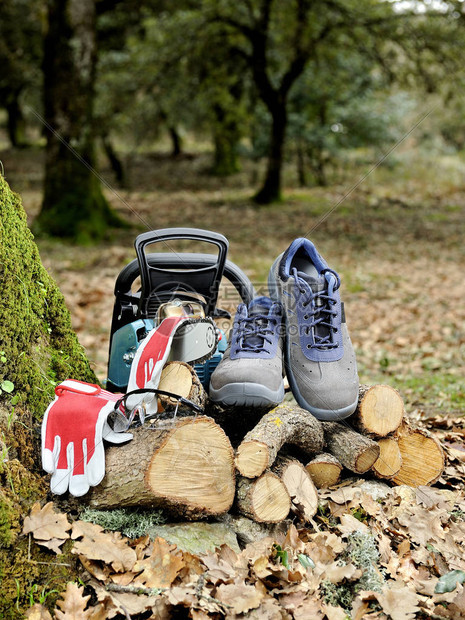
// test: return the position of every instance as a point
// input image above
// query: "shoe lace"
(253, 332)
(321, 314)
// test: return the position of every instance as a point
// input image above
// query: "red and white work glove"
(73, 429)
(148, 363)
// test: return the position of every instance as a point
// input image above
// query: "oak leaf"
(124, 603)
(334, 613)
(95, 544)
(45, 524)
(219, 570)
(398, 601)
(38, 612)
(162, 567)
(73, 605)
(239, 596)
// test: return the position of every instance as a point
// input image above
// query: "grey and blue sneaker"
(319, 357)
(251, 371)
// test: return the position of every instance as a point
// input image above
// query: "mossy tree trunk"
(74, 205)
(38, 348)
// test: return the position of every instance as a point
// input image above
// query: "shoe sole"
(332, 415)
(247, 395)
(195, 341)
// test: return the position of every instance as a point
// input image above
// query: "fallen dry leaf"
(349, 524)
(398, 601)
(45, 524)
(95, 544)
(73, 604)
(122, 602)
(162, 567)
(38, 612)
(239, 596)
(333, 613)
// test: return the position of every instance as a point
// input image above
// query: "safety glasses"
(123, 418)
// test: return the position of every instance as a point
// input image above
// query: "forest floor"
(395, 237)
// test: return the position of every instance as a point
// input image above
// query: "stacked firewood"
(187, 464)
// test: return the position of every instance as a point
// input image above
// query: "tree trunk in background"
(15, 125)
(226, 138)
(176, 141)
(114, 160)
(73, 204)
(271, 189)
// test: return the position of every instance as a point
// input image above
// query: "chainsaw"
(171, 284)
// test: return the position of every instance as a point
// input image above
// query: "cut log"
(389, 461)
(354, 451)
(181, 379)
(249, 531)
(299, 485)
(284, 424)
(264, 500)
(325, 470)
(422, 458)
(185, 465)
(380, 410)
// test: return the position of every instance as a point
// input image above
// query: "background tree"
(20, 61)
(73, 203)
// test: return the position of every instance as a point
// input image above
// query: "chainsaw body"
(165, 276)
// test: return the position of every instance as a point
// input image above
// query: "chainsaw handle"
(207, 276)
(186, 260)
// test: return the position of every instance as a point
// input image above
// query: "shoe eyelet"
(305, 317)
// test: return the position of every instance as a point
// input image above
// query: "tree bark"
(354, 451)
(182, 465)
(74, 205)
(284, 424)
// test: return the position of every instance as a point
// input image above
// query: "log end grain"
(380, 410)
(264, 500)
(252, 458)
(325, 470)
(389, 461)
(194, 468)
(302, 491)
(422, 459)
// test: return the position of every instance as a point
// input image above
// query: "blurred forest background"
(341, 120)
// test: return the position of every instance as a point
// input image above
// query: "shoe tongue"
(317, 284)
(260, 305)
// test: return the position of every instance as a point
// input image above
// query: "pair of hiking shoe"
(301, 329)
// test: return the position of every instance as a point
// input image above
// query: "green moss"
(7, 518)
(35, 326)
(30, 573)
